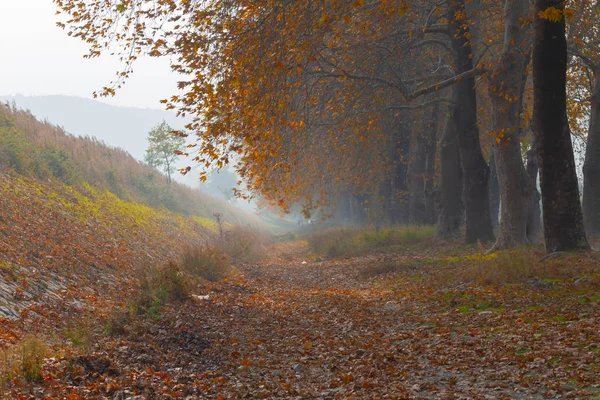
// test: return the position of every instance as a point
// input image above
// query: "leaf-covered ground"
(63, 250)
(424, 323)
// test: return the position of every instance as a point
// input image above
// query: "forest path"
(295, 327)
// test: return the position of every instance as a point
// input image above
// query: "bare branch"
(435, 42)
(448, 82)
(586, 60)
(422, 105)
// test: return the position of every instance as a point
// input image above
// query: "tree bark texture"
(420, 167)
(591, 166)
(431, 152)
(505, 94)
(451, 208)
(562, 214)
(399, 188)
(494, 191)
(534, 218)
(476, 171)
(416, 174)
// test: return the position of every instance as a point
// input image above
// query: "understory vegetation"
(338, 242)
(22, 361)
(212, 262)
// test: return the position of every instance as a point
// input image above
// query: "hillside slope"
(79, 220)
(60, 246)
(43, 150)
(123, 127)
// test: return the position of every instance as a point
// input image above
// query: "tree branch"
(586, 60)
(435, 42)
(422, 105)
(438, 29)
(448, 82)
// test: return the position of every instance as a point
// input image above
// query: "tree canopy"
(331, 104)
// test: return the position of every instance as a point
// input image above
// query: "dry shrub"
(213, 261)
(81, 334)
(244, 243)
(116, 323)
(32, 351)
(8, 366)
(209, 262)
(157, 287)
(24, 360)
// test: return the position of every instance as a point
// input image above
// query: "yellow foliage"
(551, 14)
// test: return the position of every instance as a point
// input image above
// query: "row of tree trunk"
(474, 194)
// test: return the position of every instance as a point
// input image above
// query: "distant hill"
(124, 127)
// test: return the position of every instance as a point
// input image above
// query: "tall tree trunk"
(533, 221)
(385, 194)
(476, 171)
(506, 86)
(351, 209)
(494, 191)
(399, 195)
(563, 217)
(419, 167)
(416, 179)
(451, 209)
(591, 165)
(431, 152)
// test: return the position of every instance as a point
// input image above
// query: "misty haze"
(299, 200)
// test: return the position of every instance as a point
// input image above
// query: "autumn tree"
(306, 94)
(163, 146)
(563, 219)
(451, 208)
(475, 169)
(584, 100)
(506, 90)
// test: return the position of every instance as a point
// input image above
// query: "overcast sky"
(39, 58)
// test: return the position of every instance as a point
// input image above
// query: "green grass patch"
(464, 308)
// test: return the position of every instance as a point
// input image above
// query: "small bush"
(244, 243)
(117, 322)
(208, 262)
(13, 149)
(8, 367)
(32, 351)
(158, 286)
(23, 360)
(81, 335)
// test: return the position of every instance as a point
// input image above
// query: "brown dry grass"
(517, 266)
